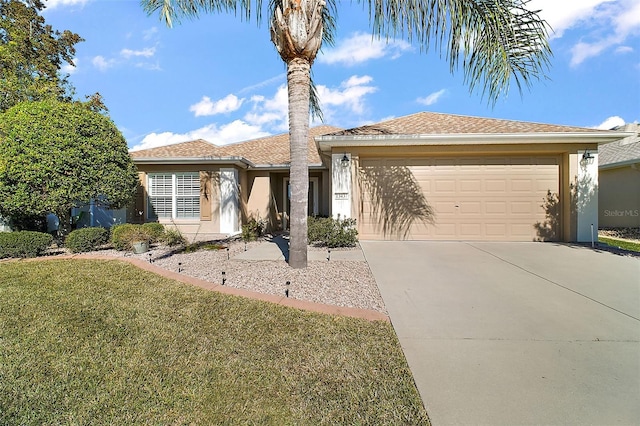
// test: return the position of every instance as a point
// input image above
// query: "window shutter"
(205, 195)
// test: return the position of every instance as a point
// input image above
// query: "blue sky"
(220, 79)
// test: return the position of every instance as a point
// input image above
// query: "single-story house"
(422, 176)
(619, 178)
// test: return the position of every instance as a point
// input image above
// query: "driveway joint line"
(553, 282)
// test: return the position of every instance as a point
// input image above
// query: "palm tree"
(494, 41)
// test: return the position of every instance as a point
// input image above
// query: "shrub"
(123, 236)
(253, 229)
(24, 243)
(332, 232)
(173, 237)
(155, 230)
(119, 235)
(86, 239)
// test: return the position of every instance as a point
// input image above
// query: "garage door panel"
(475, 198)
(470, 185)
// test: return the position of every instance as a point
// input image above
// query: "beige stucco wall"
(193, 230)
(619, 197)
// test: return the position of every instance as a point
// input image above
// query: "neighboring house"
(619, 178)
(423, 176)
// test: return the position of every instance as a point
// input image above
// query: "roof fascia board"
(325, 143)
(236, 161)
(284, 166)
(619, 164)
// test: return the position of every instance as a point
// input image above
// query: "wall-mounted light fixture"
(587, 158)
(345, 161)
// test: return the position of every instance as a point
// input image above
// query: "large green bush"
(86, 239)
(24, 243)
(329, 232)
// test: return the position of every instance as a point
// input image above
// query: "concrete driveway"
(515, 333)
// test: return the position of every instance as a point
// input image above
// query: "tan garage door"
(468, 198)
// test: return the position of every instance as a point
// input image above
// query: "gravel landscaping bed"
(632, 234)
(334, 282)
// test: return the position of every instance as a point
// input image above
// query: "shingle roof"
(269, 150)
(622, 151)
(191, 149)
(275, 149)
(423, 123)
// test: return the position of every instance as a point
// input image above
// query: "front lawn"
(623, 244)
(102, 342)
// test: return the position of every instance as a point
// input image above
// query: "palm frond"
(494, 41)
(315, 110)
(171, 11)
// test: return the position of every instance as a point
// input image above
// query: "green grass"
(623, 244)
(102, 342)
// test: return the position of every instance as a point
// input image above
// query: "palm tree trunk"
(298, 75)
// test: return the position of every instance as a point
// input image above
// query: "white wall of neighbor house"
(341, 185)
(586, 196)
(4, 225)
(229, 201)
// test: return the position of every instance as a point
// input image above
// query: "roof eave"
(235, 161)
(619, 164)
(285, 166)
(325, 143)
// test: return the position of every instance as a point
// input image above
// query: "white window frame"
(175, 196)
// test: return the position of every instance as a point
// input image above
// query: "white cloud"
(610, 123)
(207, 107)
(150, 33)
(272, 112)
(277, 79)
(565, 14)
(70, 69)
(348, 96)
(605, 23)
(235, 131)
(102, 63)
(623, 49)
(50, 4)
(431, 98)
(361, 47)
(126, 55)
(268, 115)
(146, 53)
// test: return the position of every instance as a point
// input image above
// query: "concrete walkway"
(515, 333)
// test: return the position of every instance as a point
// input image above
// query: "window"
(174, 195)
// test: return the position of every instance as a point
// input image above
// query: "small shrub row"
(24, 243)
(86, 239)
(329, 232)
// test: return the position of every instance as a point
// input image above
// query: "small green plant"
(24, 243)
(173, 237)
(329, 232)
(253, 230)
(86, 239)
